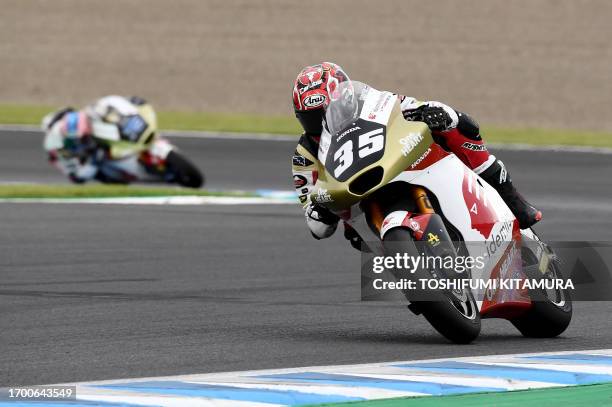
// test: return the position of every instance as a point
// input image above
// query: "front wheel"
(453, 314)
(185, 173)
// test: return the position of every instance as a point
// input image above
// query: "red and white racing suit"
(461, 136)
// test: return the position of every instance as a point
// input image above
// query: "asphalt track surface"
(91, 292)
(227, 164)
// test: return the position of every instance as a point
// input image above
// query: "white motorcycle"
(128, 151)
(403, 193)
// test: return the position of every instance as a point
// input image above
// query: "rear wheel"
(551, 310)
(185, 172)
(454, 314)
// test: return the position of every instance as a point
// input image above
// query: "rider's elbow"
(468, 127)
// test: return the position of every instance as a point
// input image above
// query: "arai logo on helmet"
(315, 100)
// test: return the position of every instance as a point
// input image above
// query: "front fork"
(426, 227)
(422, 221)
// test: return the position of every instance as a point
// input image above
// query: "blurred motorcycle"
(120, 150)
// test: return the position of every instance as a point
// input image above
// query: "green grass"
(102, 191)
(243, 123)
(20, 114)
(575, 396)
(547, 137)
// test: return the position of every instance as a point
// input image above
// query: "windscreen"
(344, 105)
(352, 143)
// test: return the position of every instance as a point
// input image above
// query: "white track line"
(158, 200)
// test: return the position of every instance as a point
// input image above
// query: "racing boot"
(497, 176)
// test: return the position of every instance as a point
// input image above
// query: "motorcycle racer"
(453, 130)
(69, 133)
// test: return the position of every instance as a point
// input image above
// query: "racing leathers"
(453, 130)
(69, 144)
(69, 140)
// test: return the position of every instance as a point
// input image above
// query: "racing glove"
(437, 118)
(321, 221)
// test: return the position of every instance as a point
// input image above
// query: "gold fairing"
(336, 195)
(123, 148)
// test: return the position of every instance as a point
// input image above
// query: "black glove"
(436, 118)
(321, 214)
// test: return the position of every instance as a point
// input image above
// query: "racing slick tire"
(457, 319)
(185, 172)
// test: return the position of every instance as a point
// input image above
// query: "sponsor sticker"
(377, 106)
(315, 100)
(433, 239)
(313, 85)
(323, 196)
(348, 131)
(299, 181)
(503, 175)
(409, 142)
(414, 225)
(474, 147)
(420, 159)
(500, 238)
(301, 161)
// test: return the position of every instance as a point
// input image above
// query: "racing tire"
(185, 172)
(459, 323)
(548, 317)
(544, 320)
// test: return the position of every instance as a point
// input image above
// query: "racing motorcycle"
(404, 194)
(129, 149)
